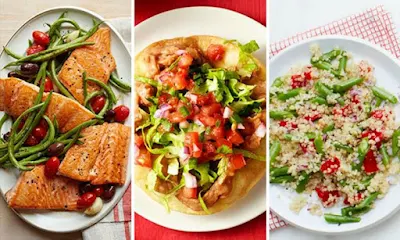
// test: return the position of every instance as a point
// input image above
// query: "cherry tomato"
(51, 167)
(370, 163)
(234, 137)
(223, 141)
(324, 195)
(189, 192)
(86, 200)
(109, 192)
(330, 166)
(48, 85)
(85, 187)
(144, 158)
(215, 52)
(193, 142)
(31, 141)
(99, 191)
(39, 132)
(121, 113)
(237, 161)
(43, 124)
(97, 103)
(41, 38)
(34, 49)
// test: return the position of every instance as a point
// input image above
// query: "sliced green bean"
(342, 65)
(322, 65)
(277, 172)
(319, 100)
(363, 148)
(279, 115)
(278, 82)
(319, 144)
(332, 218)
(343, 147)
(322, 90)
(346, 85)
(385, 156)
(350, 211)
(329, 56)
(395, 142)
(289, 94)
(274, 151)
(301, 185)
(282, 179)
(328, 128)
(57, 82)
(383, 94)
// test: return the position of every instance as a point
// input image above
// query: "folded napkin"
(374, 25)
(117, 224)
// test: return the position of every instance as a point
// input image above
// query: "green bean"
(385, 156)
(35, 162)
(149, 81)
(279, 115)
(289, 94)
(311, 135)
(12, 158)
(282, 179)
(322, 65)
(104, 109)
(383, 94)
(41, 74)
(332, 218)
(346, 85)
(328, 128)
(350, 211)
(57, 24)
(367, 201)
(119, 84)
(363, 148)
(3, 120)
(58, 52)
(288, 136)
(84, 79)
(319, 144)
(12, 54)
(343, 147)
(49, 139)
(395, 142)
(106, 88)
(319, 100)
(57, 82)
(342, 65)
(322, 90)
(378, 102)
(367, 108)
(69, 145)
(278, 82)
(301, 186)
(75, 129)
(90, 96)
(340, 101)
(329, 56)
(274, 151)
(277, 172)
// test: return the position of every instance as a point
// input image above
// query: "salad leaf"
(245, 107)
(222, 166)
(240, 89)
(248, 154)
(191, 164)
(250, 47)
(203, 169)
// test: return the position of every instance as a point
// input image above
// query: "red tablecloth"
(255, 229)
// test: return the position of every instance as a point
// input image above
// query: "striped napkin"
(374, 25)
(117, 224)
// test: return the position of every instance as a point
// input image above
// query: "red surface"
(255, 229)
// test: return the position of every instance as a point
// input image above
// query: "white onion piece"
(261, 131)
(195, 148)
(240, 126)
(198, 122)
(180, 52)
(159, 113)
(184, 124)
(192, 97)
(227, 112)
(184, 154)
(190, 180)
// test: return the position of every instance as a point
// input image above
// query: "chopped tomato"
(48, 85)
(327, 197)
(378, 114)
(298, 81)
(223, 141)
(185, 61)
(370, 163)
(303, 147)
(211, 109)
(307, 75)
(193, 142)
(215, 52)
(313, 117)
(355, 100)
(284, 124)
(208, 152)
(234, 137)
(163, 98)
(237, 161)
(373, 135)
(144, 158)
(330, 166)
(208, 120)
(179, 80)
(218, 132)
(357, 199)
(139, 140)
(205, 99)
(189, 192)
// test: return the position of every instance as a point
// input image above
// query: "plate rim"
(357, 40)
(138, 27)
(93, 220)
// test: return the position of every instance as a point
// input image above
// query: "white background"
(289, 17)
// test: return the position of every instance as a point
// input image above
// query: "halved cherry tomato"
(189, 192)
(35, 49)
(370, 163)
(237, 161)
(39, 132)
(99, 191)
(234, 137)
(324, 195)
(43, 124)
(31, 141)
(121, 113)
(97, 103)
(357, 198)
(41, 38)
(193, 142)
(215, 52)
(330, 166)
(223, 141)
(86, 200)
(51, 167)
(48, 85)
(144, 158)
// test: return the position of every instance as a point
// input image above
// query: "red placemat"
(256, 228)
(374, 25)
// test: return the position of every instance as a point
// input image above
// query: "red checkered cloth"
(374, 25)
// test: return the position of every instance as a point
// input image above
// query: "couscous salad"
(333, 134)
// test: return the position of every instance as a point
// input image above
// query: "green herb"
(224, 149)
(184, 111)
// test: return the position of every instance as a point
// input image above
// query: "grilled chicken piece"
(95, 59)
(16, 96)
(36, 191)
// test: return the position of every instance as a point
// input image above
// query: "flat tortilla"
(159, 55)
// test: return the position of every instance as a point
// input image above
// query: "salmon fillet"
(80, 159)
(35, 191)
(102, 158)
(95, 59)
(17, 96)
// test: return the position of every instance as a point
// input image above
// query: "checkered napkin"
(117, 224)
(374, 25)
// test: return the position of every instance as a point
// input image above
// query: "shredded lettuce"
(248, 154)
(240, 89)
(146, 80)
(224, 149)
(191, 164)
(250, 47)
(157, 167)
(151, 180)
(203, 204)
(245, 107)
(222, 166)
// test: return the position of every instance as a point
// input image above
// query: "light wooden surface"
(13, 13)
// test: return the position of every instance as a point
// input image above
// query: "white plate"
(387, 72)
(56, 221)
(202, 21)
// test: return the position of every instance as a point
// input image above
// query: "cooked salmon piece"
(110, 166)
(36, 191)
(102, 158)
(95, 59)
(80, 159)
(18, 95)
